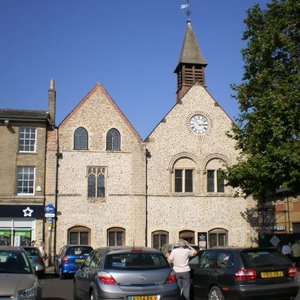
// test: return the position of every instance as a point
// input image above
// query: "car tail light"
(106, 278)
(292, 272)
(245, 274)
(65, 259)
(171, 278)
(38, 261)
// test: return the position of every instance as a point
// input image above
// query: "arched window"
(80, 139)
(116, 236)
(218, 237)
(113, 140)
(159, 238)
(79, 235)
(188, 235)
(184, 175)
(215, 176)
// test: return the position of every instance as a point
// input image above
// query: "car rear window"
(32, 251)
(260, 258)
(136, 260)
(79, 250)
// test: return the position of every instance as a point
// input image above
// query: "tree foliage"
(267, 128)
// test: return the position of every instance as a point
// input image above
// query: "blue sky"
(130, 46)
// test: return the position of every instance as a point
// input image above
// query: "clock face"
(199, 124)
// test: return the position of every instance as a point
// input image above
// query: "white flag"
(183, 6)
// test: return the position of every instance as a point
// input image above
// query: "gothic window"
(116, 236)
(113, 140)
(80, 139)
(159, 238)
(96, 182)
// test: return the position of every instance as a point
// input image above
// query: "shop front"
(21, 224)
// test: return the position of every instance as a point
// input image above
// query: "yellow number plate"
(151, 297)
(271, 274)
(79, 260)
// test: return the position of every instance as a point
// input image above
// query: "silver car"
(133, 273)
(17, 277)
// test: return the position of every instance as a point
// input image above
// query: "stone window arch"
(113, 140)
(188, 235)
(116, 236)
(79, 235)
(80, 139)
(159, 238)
(184, 175)
(217, 237)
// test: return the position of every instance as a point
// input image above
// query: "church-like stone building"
(113, 188)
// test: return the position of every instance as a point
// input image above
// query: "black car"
(243, 273)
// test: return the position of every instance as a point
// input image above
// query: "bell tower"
(191, 66)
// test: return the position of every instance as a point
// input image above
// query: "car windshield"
(12, 261)
(136, 260)
(79, 251)
(32, 251)
(260, 258)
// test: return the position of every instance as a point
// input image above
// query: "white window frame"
(24, 180)
(28, 139)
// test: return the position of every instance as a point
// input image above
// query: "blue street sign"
(50, 209)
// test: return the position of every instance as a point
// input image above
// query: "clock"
(199, 124)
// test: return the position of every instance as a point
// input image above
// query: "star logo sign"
(27, 212)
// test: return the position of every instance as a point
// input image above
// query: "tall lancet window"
(113, 140)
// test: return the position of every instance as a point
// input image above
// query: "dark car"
(132, 273)
(243, 273)
(36, 259)
(70, 258)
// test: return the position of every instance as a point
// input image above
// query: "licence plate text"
(150, 297)
(271, 274)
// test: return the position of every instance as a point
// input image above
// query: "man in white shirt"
(180, 259)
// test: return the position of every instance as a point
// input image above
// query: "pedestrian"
(286, 250)
(180, 259)
(296, 253)
(32, 243)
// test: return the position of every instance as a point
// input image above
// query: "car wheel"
(93, 295)
(75, 297)
(215, 294)
(61, 274)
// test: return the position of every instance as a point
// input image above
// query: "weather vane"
(187, 8)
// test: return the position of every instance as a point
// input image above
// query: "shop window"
(159, 238)
(113, 140)
(80, 139)
(116, 236)
(79, 235)
(25, 180)
(27, 139)
(188, 235)
(218, 237)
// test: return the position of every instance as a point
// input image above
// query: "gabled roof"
(101, 89)
(23, 115)
(190, 51)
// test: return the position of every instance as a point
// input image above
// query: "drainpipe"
(147, 155)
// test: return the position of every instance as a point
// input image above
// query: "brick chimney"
(52, 102)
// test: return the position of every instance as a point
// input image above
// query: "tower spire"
(191, 65)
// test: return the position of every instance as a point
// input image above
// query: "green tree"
(268, 125)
